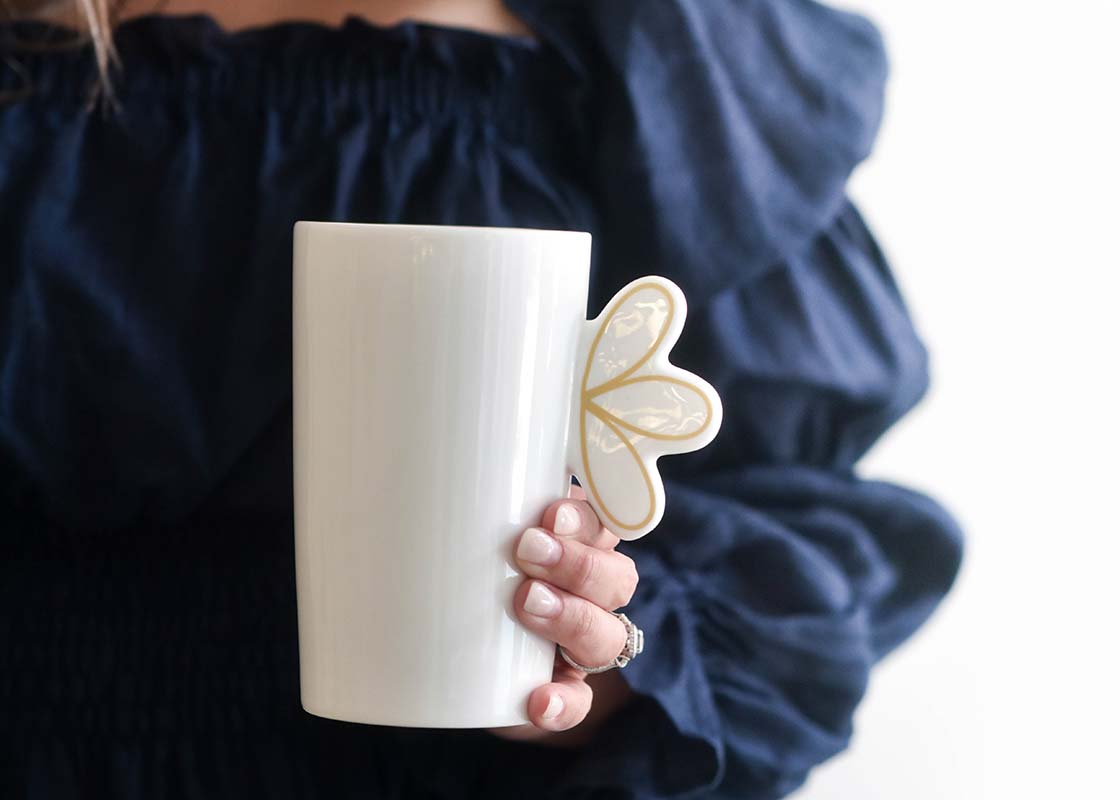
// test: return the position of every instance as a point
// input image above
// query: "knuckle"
(585, 568)
(583, 621)
(627, 582)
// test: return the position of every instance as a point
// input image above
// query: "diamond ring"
(635, 641)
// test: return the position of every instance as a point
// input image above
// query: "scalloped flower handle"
(632, 406)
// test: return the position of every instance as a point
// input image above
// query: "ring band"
(635, 641)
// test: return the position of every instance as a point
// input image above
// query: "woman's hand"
(576, 577)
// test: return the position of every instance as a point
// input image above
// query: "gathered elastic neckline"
(406, 68)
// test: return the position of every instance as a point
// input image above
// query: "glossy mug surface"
(446, 387)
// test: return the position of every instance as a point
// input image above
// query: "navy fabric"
(147, 611)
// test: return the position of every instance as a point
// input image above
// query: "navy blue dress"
(147, 612)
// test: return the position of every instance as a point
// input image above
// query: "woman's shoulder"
(742, 119)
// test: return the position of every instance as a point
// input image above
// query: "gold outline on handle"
(612, 421)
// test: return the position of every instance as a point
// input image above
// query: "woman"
(146, 594)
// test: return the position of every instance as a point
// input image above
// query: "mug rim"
(436, 229)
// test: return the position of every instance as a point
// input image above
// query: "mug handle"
(631, 406)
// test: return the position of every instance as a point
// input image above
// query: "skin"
(489, 16)
(588, 577)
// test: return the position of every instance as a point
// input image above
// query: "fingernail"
(567, 520)
(554, 707)
(541, 601)
(538, 547)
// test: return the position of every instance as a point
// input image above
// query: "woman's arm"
(723, 133)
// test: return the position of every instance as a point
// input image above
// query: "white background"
(994, 192)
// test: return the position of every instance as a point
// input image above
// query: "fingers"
(575, 575)
(591, 635)
(607, 578)
(561, 704)
(575, 519)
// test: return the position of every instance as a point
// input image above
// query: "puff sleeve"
(721, 136)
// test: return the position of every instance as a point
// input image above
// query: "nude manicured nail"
(538, 547)
(567, 520)
(554, 707)
(541, 601)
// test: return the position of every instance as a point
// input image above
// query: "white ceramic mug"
(446, 387)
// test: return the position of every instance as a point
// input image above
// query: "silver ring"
(635, 641)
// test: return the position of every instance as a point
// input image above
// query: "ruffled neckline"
(403, 68)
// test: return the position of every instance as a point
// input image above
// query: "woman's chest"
(145, 328)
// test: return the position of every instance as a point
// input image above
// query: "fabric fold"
(781, 97)
(778, 577)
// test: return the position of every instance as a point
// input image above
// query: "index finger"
(574, 518)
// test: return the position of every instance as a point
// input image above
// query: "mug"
(446, 387)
